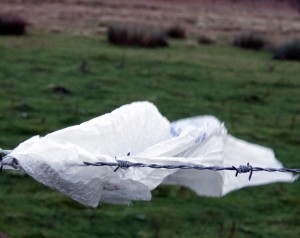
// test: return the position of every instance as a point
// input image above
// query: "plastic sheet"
(137, 132)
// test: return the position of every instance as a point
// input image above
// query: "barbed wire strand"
(123, 164)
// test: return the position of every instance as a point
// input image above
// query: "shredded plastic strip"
(123, 164)
(5, 152)
(10, 161)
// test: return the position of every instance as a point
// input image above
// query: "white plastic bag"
(137, 132)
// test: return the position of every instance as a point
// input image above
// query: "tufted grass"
(257, 98)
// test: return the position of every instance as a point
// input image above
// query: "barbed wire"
(123, 164)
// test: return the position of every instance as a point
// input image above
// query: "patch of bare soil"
(276, 19)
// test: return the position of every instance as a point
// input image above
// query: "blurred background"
(66, 61)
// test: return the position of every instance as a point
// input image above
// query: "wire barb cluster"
(123, 164)
(244, 169)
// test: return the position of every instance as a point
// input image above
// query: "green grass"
(256, 104)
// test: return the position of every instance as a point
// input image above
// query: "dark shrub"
(176, 32)
(249, 40)
(205, 40)
(11, 24)
(58, 89)
(136, 35)
(288, 51)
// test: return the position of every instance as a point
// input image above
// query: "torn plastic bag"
(137, 132)
(235, 152)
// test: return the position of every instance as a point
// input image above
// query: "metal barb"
(244, 169)
(122, 164)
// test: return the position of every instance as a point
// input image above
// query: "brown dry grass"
(274, 19)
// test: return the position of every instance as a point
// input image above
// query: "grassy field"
(49, 82)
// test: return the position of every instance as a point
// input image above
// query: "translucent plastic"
(137, 132)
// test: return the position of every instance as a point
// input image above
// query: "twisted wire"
(239, 170)
(124, 164)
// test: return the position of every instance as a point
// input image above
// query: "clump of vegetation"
(136, 35)
(288, 51)
(205, 40)
(58, 89)
(249, 40)
(11, 24)
(176, 32)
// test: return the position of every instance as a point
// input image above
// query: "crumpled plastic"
(137, 132)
